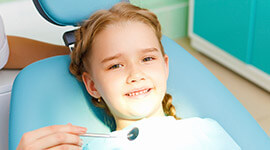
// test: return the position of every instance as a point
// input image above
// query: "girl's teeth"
(138, 93)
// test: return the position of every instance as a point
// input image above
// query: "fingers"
(66, 147)
(60, 138)
(52, 136)
(45, 131)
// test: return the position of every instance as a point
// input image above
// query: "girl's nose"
(135, 75)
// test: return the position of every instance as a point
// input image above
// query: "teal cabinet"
(260, 54)
(235, 33)
(225, 23)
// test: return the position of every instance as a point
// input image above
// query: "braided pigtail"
(168, 107)
(76, 66)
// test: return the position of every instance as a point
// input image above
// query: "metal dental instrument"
(132, 135)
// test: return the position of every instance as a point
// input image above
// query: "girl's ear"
(166, 60)
(90, 85)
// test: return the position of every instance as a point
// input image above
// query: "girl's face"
(128, 70)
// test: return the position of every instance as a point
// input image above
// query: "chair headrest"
(71, 12)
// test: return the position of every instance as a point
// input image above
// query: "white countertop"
(6, 80)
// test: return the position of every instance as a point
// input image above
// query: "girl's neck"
(121, 123)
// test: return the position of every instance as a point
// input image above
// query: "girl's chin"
(135, 116)
(141, 115)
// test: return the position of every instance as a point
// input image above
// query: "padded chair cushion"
(45, 93)
(72, 12)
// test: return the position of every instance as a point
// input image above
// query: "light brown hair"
(85, 37)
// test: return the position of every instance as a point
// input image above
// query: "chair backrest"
(4, 50)
(45, 93)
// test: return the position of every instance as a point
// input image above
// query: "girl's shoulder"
(197, 120)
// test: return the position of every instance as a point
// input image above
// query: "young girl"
(120, 59)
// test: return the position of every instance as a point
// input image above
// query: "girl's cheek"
(115, 76)
(154, 68)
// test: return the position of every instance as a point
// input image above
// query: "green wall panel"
(225, 23)
(172, 14)
(174, 22)
(261, 46)
(9, 0)
(152, 4)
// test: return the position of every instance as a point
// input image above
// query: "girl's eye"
(148, 59)
(115, 66)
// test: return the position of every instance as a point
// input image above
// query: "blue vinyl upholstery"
(45, 93)
(71, 12)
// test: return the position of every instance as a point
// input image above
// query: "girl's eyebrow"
(147, 50)
(111, 58)
(153, 49)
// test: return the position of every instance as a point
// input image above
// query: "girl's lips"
(139, 93)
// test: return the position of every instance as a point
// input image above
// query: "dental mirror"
(132, 135)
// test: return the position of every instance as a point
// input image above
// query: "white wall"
(22, 19)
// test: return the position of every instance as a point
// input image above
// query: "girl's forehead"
(125, 38)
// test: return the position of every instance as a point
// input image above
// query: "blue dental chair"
(45, 93)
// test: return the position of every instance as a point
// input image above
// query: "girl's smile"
(139, 93)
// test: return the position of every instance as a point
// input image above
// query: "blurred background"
(231, 38)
